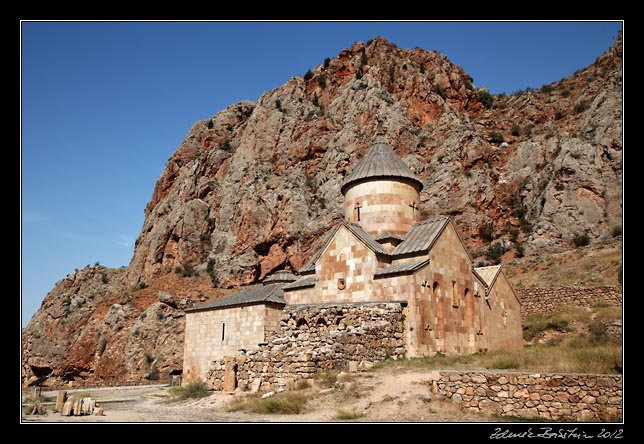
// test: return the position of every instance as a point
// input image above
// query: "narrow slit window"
(223, 331)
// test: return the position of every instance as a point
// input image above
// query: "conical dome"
(382, 194)
(380, 161)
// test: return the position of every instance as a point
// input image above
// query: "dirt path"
(392, 396)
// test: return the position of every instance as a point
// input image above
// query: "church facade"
(381, 251)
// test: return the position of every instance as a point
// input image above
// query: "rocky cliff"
(251, 189)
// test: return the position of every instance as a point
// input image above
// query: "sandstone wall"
(312, 338)
(557, 397)
(213, 334)
(501, 318)
(546, 300)
(385, 206)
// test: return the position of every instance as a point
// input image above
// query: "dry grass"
(537, 323)
(193, 390)
(286, 403)
(574, 356)
(588, 266)
(588, 350)
(326, 378)
(347, 415)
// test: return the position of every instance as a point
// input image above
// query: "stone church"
(380, 252)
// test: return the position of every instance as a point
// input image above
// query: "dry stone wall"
(546, 300)
(558, 397)
(312, 338)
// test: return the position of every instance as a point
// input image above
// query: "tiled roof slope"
(422, 236)
(265, 293)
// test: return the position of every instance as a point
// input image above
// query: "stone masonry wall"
(213, 334)
(546, 300)
(312, 338)
(558, 397)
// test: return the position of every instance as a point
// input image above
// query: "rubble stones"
(297, 352)
(547, 396)
(547, 300)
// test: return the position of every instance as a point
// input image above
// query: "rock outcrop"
(251, 189)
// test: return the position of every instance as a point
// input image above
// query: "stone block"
(60, 400)
(256, 384)
(68, 408)
(490, 407)
(230, 374)
(78, 401)
(521, 393)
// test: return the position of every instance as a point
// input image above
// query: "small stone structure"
(549, 396)
(311, 339)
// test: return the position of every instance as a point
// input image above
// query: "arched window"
(301, 323)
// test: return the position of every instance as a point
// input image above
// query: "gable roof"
(380, 160)
(357, 231)
(302, 283)
(487, 275)
(265, 293)
(422, 236)
(280, 276)
(402, 268)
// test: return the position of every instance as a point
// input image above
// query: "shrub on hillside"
(485, 98)
(581, 240)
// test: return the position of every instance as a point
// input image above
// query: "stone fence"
(312, 338)
(557, 397)
(546, 300)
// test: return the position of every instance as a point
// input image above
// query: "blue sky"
(105, 104)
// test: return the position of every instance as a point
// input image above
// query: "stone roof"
(280, 276)
(265, 293)
(488, 274)
(389, 236)
(380, 161)
(402, 268)
(302, 283)
(357, 230)
(422, 236)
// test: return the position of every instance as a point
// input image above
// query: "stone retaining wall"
(312, 338)
(557, 397)
(546, 300)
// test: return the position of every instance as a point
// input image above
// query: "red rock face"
(252, 189)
